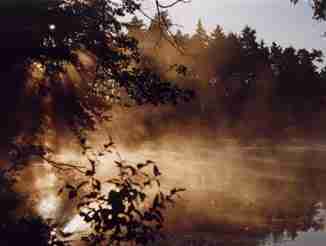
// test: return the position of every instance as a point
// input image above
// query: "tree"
(58, 32)
(200, 33)
(180, 38)
(199, 40)
(319, 7)
(74, 63)
(136, 22)
(135, 28)
(159, 20)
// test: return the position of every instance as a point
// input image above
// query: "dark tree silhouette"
(55, 33)
(319, 7)
(236, 76)
(71, 60)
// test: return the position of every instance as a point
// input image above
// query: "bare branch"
(172, 4)
(64, 166)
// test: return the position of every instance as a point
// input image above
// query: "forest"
(240, 81)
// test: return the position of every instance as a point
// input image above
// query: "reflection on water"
(304, 239)
(237, 194)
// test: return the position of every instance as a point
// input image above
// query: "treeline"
(242, 84)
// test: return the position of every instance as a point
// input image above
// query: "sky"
(274, 20)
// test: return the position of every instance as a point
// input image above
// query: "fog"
(237, 193)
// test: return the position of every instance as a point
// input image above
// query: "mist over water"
(240, 190)
(252, 192)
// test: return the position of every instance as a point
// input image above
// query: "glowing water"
(48, 206)
(76, 224)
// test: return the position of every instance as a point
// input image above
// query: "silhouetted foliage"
(319, 7)
(70, 61)
(29, 231)
(17, 230)
(58, 37)
(125, 208)
(127, 212)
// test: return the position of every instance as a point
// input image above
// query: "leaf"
(82, 184)
(91, 195)
(142, 196)
(85, 239)
(92, 171)
(72, 194)
(118, 163)
(66, 234)
(148, 216)
(97, 228)
(141, 165)
(83, 141)
(69, 186)
(92, 162)
(89, 173)
(96, 184)
(159, 214)
(82, 204)
(148, 182)
(175, 190)
(181, 69)
(156, 171)
(60, 191)
(108, 145)
(156, 202)
(132, 169)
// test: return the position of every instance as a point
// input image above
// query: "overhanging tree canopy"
(68, 60)
(51, 35)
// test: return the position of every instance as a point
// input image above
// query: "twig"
(63, 166)
(172, 4)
